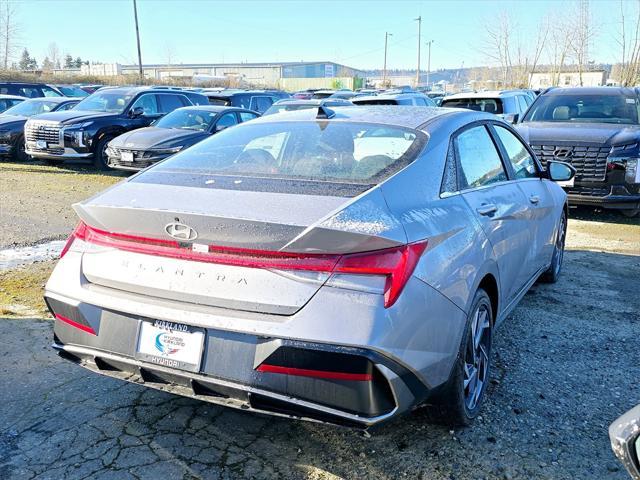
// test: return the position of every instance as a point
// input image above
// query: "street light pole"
(429, 61)
(135, 16)
(419, 20)
(384, 70)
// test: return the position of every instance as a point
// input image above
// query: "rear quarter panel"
(458, 255)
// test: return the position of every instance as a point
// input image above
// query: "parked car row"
(596, 130)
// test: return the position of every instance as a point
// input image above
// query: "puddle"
(15, 257)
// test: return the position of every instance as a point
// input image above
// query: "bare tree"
(583, 32)
(517, 57)
(9, 31)
(629, 41)
(53, 54)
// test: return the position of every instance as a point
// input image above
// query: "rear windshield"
(224, 101)
(489, 105)
(605, 108)
(313, 151)
(381, 101)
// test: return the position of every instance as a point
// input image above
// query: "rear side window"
(312, 151)
(519, 156)
(478, 158)
(168, 103)
(261, 104)
(29, 92)
(522, 103)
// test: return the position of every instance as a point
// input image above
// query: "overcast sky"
(349, 32)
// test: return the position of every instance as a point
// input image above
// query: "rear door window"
(479, 161)
(29, 92)
(168, 102)
(261, 104)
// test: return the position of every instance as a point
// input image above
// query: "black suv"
(256, 100)
(85, 131)
(597, 130)
(29, 90)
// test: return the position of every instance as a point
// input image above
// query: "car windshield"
(28, 108)
(489, 105)
(354, 153)
(110, 102)
(576, 108)
(189, 119)
(72, 91)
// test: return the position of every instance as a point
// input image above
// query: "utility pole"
(429, 61)
(419, 20)
(384, 70)
(135, 15)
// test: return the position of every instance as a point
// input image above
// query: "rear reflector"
(80, 326)
(396, 263)
(302, 372)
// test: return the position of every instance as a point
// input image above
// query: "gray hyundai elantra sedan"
(341, 265)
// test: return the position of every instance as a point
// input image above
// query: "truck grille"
(590, 161)
(39, 130)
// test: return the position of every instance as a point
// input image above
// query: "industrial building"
(285, 75)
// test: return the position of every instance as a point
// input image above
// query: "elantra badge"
(180, 231)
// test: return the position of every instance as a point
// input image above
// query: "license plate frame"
(127, 156)
(170, 344)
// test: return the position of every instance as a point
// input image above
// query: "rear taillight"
(78, 233)
(395, 264)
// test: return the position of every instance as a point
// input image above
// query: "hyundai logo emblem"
(180, 231)
(563, 153)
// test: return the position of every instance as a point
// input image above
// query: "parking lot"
(563, 370)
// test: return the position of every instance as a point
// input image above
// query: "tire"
(100, 155)
(19, 152)
(552, 274)
(630, 213)
(460, 401)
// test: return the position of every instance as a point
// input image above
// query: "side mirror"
(624, 434)
(560, 171)
(219, 128)
(136, 112)
(511, 117)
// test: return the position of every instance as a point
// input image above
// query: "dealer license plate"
(127, 156)
(170, 344)
(41, 144)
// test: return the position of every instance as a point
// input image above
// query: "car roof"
(591, 91)
(215, 108)
(310, 101)
(14, 97)
(238, 92)
(388, 96)
(139, 89)
(485, 94)
(392, 115)
(54, 99)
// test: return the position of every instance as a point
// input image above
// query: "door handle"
(487, 209)
(534, 199)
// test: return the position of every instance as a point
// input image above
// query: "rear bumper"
(409, 349)
(229, 374)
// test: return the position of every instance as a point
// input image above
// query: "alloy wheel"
(562, 231)
(476, 362)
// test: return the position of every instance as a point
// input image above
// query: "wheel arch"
(489, 284)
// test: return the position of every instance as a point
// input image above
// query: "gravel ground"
(563, 368)
(36, 199)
